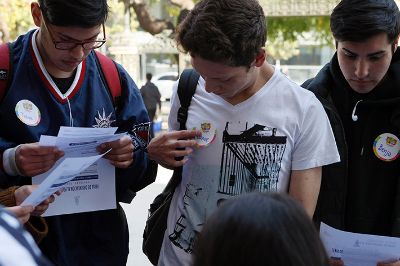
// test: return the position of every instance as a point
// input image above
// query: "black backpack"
(156, 223)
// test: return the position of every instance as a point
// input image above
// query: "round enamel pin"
(27, 112)
(386, 147)
(208, 134)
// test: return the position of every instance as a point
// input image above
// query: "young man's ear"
(395, 45)
(36, 13)
(260, 58)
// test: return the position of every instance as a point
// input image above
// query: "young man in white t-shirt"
(260, 131)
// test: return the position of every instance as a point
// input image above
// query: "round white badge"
(387, 147)
(208, 134)
(27, 112)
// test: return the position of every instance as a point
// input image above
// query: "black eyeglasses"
(69, 45)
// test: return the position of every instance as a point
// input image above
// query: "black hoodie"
(361, 193)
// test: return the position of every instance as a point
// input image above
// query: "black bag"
(156, 223)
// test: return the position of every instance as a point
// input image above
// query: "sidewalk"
(136, 213)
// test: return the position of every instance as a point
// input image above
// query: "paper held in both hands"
(86, 180)
(359, 249)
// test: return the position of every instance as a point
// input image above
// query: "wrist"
(9, 162)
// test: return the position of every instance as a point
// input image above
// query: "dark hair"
(259, 229)
(149, 76)
(358, 20)
(231, 32)
(81, 13)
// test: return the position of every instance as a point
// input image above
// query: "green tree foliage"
(284, 34)
(16, 15)
(293, 28)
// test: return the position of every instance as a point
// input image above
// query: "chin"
(363, 90)
(67, 68)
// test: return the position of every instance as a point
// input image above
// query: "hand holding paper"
(33, 159)
(24, 191)
(59, 175)
(121, 154)
(21, 212)
(359, 249)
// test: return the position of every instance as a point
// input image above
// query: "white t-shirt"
(258, 142)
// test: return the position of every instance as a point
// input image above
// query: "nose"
(362, 69)
(77, 52)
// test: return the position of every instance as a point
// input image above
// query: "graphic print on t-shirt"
(250, 161)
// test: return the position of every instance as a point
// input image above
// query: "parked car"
(165, 82)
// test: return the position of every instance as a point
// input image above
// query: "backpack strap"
(110, 75)
(5, 68)
(186, 89)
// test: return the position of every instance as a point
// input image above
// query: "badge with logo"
(27, 112)
(208, 134)
(387, 147)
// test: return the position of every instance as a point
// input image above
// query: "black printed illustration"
(182, 237)
(250, 161)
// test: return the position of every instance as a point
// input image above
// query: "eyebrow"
(73, 39)
(371, 54)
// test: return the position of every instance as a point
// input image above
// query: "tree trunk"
(147, 22)
(150, 24)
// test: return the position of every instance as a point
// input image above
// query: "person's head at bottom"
(259, 229)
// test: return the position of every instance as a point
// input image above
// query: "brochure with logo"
(84, 189)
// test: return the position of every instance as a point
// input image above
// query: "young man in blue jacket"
(57, 82)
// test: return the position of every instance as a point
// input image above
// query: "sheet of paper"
(58, 176)
(85, 131)
(359, 249)
(78, 146)
(92, 189)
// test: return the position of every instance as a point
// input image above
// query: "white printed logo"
(103, 121)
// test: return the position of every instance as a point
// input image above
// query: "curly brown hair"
(231, 32)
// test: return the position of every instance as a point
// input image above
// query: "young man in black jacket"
(359, 89)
